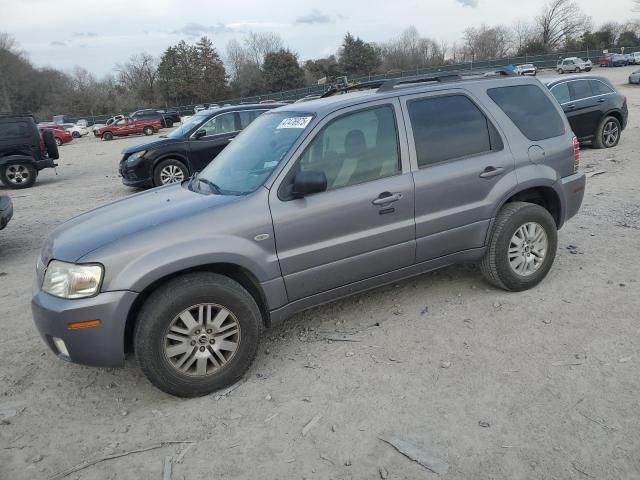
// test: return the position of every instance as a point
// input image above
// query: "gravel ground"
(541, 384)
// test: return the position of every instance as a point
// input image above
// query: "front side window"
(224, 123)
(530, 110)
(355, 148)
(580, 89)
(561, 92)
(446, 128)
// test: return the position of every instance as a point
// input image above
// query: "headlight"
(68, 280)
(135, 156)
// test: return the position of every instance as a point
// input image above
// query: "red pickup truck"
(127, 126)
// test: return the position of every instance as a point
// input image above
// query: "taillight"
(576, 154)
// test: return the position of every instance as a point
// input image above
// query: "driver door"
(219, 131)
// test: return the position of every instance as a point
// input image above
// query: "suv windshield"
(249, 160)
(187, 126)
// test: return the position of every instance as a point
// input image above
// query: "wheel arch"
(615, 114)
(231, 270)
(544, 195)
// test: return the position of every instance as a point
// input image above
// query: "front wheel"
(75, 134)
(196, 334)
(147, 131)
(58, 142)
(522, 247)
(107, 136)
(608, 133)
(18, 175)
(169, 171)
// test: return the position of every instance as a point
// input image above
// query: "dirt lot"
(542, 384)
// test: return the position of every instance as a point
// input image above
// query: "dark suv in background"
(597, 113)
(187, 149)
(24, 150)
(166, 119)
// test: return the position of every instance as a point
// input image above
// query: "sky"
(99, 34)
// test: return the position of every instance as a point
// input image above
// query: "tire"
(50, 144)
(75, 134)
(560, 71)
(18, 175)
(147, 131)
(169, 171)
(605, 136)
(58, 142)
(168, 123)
(107, 136)
(587, 70)
(496, 266)
(161, 316)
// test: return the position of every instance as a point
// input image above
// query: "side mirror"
(200, 134)
(308, 182)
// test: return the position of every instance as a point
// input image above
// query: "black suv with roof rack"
(24, 151)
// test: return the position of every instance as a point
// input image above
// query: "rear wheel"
(196, 334)
(169, 171)
(58, 141)
(18, 175)
(521, 248)
(75, 134)
(107, 136)
(168, 123)
(608, 133)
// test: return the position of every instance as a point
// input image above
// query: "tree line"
(261, 63)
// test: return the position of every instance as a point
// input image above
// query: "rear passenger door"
(461, 169)
(582, 109)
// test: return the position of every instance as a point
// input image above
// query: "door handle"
(490, 172)
(571, 106)
(601, 100)
(386, 198)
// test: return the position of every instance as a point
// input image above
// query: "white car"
(526, 69)
(113, 119)
(573, 64)
(76, 131)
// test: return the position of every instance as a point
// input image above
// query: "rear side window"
(600, 88)
(13, 130)
(530, 110)
(450, 127)
(580, 89)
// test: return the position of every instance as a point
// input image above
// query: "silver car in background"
(635, 77)
(526, 69)
(573, 64)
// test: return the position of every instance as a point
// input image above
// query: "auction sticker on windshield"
(295, 122)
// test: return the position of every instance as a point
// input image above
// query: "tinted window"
(600, 88)
(248, 116)
(356, 148)
(561, 92)
(12, 130)
(224, 123)
(580, 89)
(530, 110)
(448, 127)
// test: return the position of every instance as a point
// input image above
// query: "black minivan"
(189, 148)
(596, 112)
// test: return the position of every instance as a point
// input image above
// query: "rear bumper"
(45, 163)
(572, 191)
(6, 211)
(101, 346)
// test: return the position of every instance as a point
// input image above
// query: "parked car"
(109, 122)
(613, 60)
(573, 64)
(635, 77)
(149, 114)
(597, 113)
(526, 69)
(187, 149)
(60, 134)
(76, 131)
(6, 211)
(24, 151)
(83, 123)
(309, 204)
(633, 58)
(127, 126)
(174, 115)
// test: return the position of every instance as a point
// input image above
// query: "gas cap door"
(536, 154)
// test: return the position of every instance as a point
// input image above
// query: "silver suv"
(311, 203)
(573, 64)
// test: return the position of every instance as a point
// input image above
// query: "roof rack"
(358, 86)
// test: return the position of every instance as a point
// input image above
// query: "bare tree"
(139, 76)
(236, 56)
(410, 50)
(523, 33)
(560, 20)
(484, 42)
(258, 45)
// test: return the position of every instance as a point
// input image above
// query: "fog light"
(62, 348)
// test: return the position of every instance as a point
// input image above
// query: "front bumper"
(6, 211)
(137, 176)
(572, 191)
(101, 346)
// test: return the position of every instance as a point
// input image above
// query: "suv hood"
(151, 145)
(144, 211)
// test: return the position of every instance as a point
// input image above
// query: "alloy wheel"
(18, 174)
(610, 134)
(171, 174)
(202, 339)
(528, 248)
